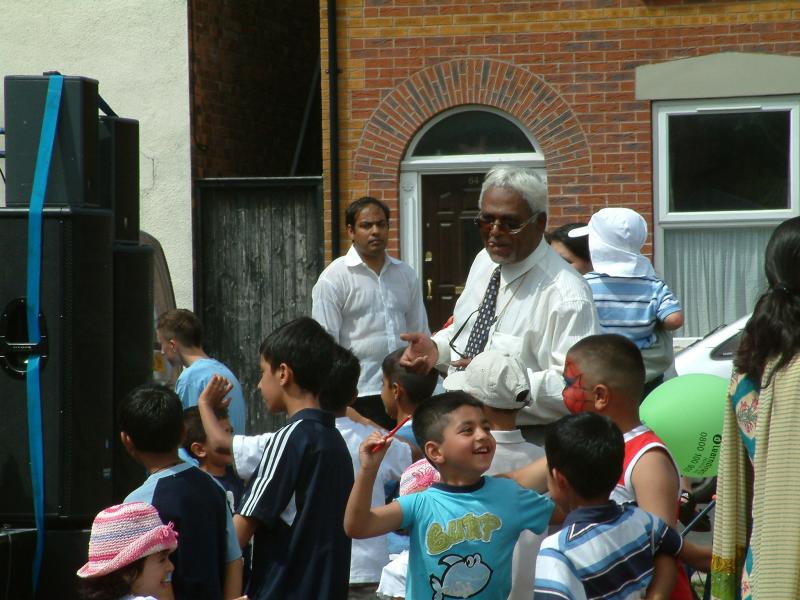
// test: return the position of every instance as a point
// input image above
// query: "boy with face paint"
(605, 374)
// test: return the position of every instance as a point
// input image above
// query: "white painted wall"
(139, 52)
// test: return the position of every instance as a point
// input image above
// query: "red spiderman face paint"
(574, 394)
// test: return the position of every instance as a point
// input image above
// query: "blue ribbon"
(35, 427)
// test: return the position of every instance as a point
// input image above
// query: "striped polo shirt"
(631, 306)
(603, 552)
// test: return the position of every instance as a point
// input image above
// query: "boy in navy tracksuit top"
(294, 505)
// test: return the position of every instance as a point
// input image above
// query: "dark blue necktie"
(486, 316)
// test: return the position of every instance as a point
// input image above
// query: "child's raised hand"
(216, 392)
(368, 455)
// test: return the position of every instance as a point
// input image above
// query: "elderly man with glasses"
(520, 298)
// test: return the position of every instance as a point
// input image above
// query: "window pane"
(473, 132)
(731, 161)
(717, 274)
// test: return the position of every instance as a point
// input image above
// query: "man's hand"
(461, 363)
(421, 355)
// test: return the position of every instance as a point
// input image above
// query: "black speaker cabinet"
(76, 373)
(73, 169)
(17, 548)
(133, 346)
(118, 174)
(65, 551)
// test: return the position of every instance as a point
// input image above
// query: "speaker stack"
(96, 306)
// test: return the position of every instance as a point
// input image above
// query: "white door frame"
(412, 170)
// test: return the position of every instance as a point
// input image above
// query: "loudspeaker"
(17, 548)
(65, 551)
(76, 376)
(73, 168)
(118, 174)
(133, 346)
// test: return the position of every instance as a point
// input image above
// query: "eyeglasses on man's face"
(506, 225)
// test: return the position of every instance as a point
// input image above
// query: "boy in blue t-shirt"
(180, 335)
(208, 562)
(604, 550)
(464, 528)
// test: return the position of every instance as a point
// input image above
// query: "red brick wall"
(563, 68)
(251, 65)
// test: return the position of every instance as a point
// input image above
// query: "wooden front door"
(450, 239)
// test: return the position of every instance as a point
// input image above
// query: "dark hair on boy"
(305, 347)
(193, 424)
(579, 246)
(355, 207)
(613, 360)
(418, 387)
(588, 450)
(341, 386)
(773, 331)
(152, 416)
(431, 417)
(183, 325)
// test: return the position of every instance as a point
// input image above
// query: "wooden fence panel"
(259, 247)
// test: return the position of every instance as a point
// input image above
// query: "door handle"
(429, 297)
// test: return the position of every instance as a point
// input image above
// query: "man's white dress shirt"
(543, 307)
(366, 312)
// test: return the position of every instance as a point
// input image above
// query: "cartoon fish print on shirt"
(464, 577)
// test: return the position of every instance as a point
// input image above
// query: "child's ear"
(127, 443)
(559, 479)
(285, 375)
(397, 391)
(433, 452)
(602, 396)
(198, 450)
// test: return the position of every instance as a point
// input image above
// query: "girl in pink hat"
(129, 552)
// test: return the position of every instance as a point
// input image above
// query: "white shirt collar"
(353, 259)
(513, 271)
(508, 437)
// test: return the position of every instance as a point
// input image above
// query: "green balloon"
(686, 412)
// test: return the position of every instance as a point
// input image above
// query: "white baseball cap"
(493, 378)
(616, 237)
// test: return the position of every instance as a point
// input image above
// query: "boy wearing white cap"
(630, 298)
(500, 383)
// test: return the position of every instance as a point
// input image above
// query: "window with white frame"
(726, 174)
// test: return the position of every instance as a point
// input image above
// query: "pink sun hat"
(124, 533)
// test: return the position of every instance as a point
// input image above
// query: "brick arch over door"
(502, 85)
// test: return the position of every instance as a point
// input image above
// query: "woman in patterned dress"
(757, 525)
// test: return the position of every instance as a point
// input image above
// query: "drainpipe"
(333, 126)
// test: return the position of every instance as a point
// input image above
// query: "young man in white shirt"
(366, 299)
